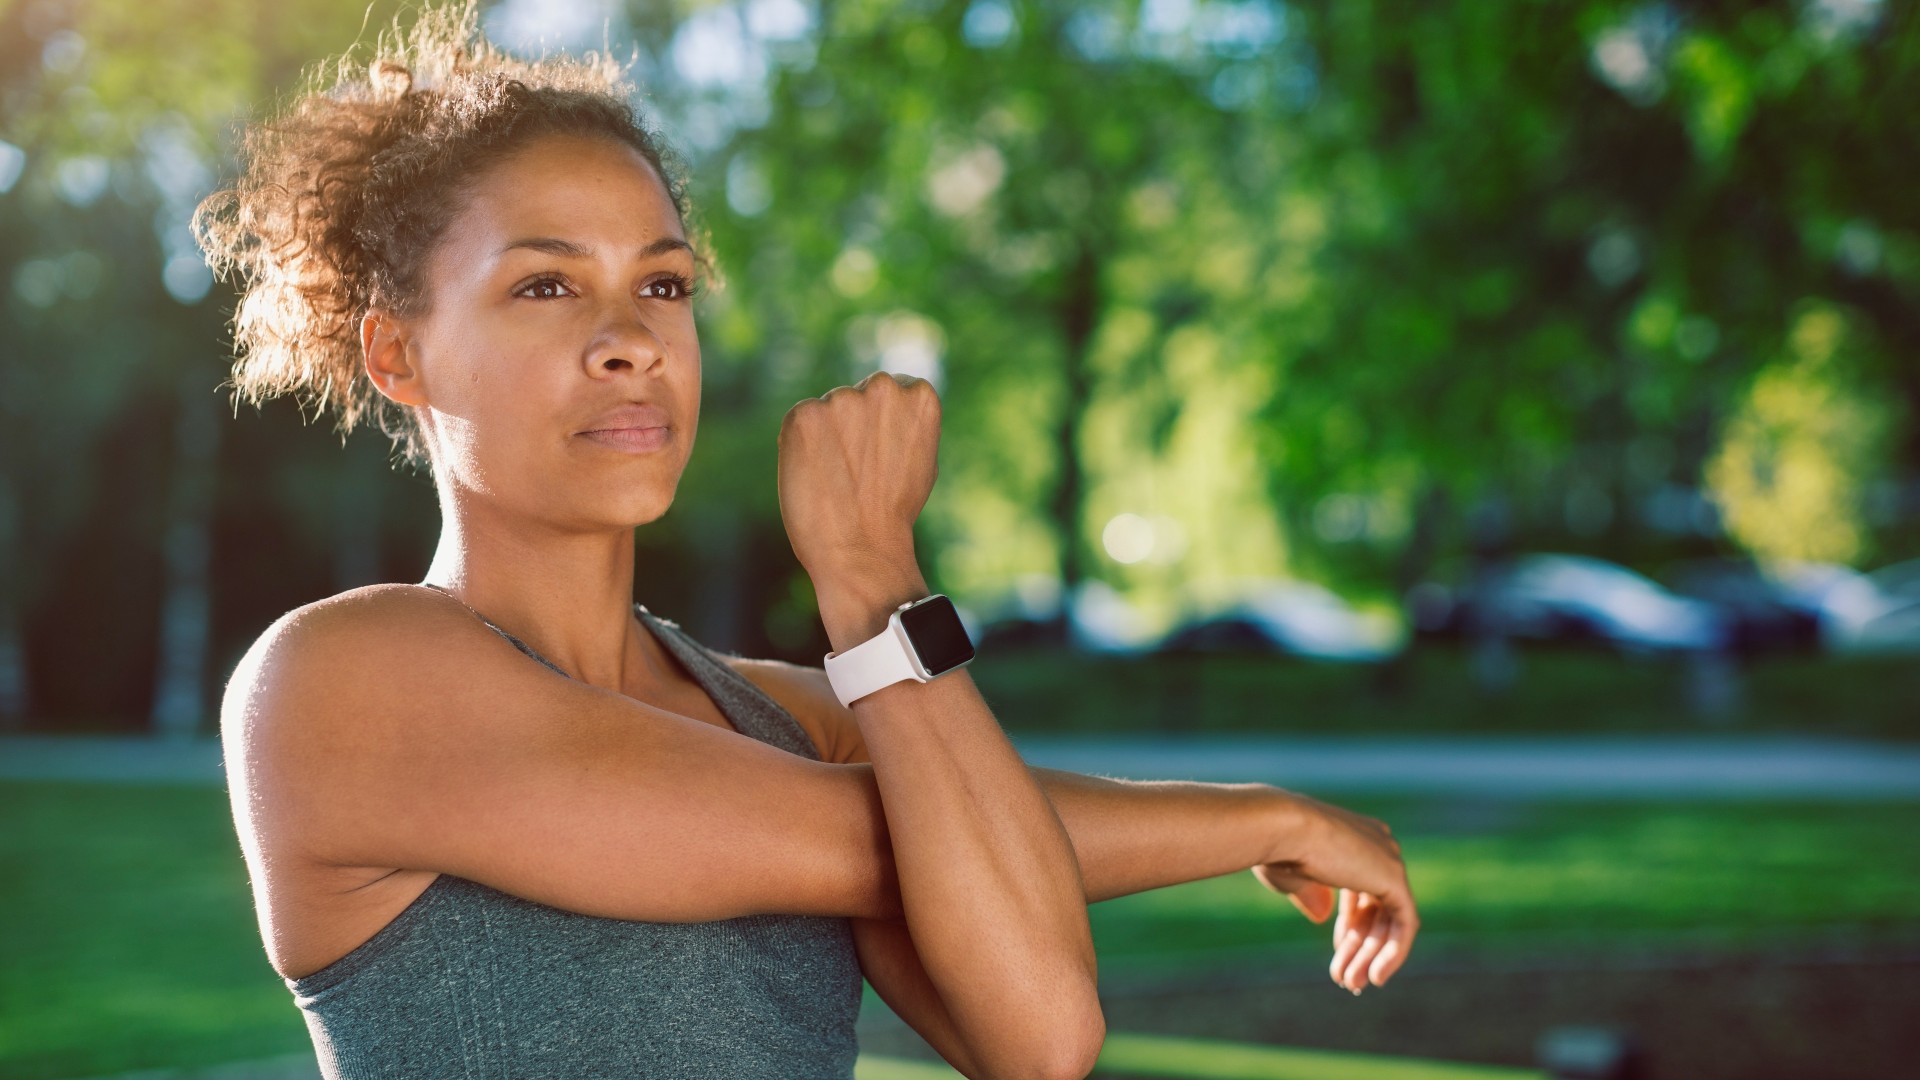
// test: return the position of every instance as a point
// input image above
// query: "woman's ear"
(383, 349)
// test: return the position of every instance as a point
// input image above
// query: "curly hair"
(345, 191)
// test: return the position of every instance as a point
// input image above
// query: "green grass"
(1562, 691)
(131, 940)
(130, 934)
(1214, 1059)
(1160, 1055)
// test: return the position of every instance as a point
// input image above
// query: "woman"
(509, 822)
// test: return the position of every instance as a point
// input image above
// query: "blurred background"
(1500, 417)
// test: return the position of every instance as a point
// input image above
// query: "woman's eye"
(672, 288)
(531, 288)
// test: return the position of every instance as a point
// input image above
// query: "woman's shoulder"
(347, 616)
(368, 608)
(311, 653)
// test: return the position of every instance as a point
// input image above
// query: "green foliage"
(1572, 242)
(1798, 456)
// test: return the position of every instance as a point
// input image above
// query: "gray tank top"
(472, 982)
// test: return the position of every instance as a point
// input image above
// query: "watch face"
(935, 629)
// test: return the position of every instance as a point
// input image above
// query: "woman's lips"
(632, 440)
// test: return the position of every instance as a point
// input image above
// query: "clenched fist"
(856, 466)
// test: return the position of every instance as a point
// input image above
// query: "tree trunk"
(723, 592)
(1395, 677)
(356, 516)
(179, 691)
(13, 653)
(1079, 312)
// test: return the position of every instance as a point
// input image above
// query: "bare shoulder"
(330, 679)
(805, 692)
(300, 659)
(343, 618)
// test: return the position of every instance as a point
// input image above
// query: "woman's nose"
(625, 337)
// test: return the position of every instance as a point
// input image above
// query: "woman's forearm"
(986, 870)
(1130, 836)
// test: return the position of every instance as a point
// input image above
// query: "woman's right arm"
(382, 728)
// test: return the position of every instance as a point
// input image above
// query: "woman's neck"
(568, 595)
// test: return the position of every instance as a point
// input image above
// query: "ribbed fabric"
(472, 982)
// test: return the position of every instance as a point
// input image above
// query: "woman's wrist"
(1293, 824)
(855, 600)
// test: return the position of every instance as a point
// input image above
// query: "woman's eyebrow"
(553, 245)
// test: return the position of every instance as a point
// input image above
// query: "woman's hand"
(1350, 863)
(856, 466)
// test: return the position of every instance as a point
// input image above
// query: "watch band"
(881, 660)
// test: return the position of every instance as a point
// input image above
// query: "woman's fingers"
(1390, 957)
(1347, 944)
(1406, 924)
(1355, 976)
(1344, 916)
(1374, 944)
(1386, 946)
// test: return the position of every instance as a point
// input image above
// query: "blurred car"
(1761, 615)
(1016, 632)
(1098, 620)
(1896, 626)
(1296, 617)
(1896, 629)
(1877, 612)
(1900, 582)
(1571, 599)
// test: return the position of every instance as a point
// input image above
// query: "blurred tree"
(1561, 247)
(117, 112)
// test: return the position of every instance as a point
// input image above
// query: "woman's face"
(558, 359)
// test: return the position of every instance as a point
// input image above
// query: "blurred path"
(125, 758)
(1546, 766)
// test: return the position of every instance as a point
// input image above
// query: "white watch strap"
(881, 660)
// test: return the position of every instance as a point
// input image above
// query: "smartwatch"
(924, 639)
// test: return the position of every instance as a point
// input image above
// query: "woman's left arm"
(1129, 836)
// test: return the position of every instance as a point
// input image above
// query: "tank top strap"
(751, 709)
(496, 628)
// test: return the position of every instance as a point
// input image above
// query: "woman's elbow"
(1079, 1051)
(1086, 1048)
(1068, 1050)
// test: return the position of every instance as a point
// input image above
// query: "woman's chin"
(633, 511)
